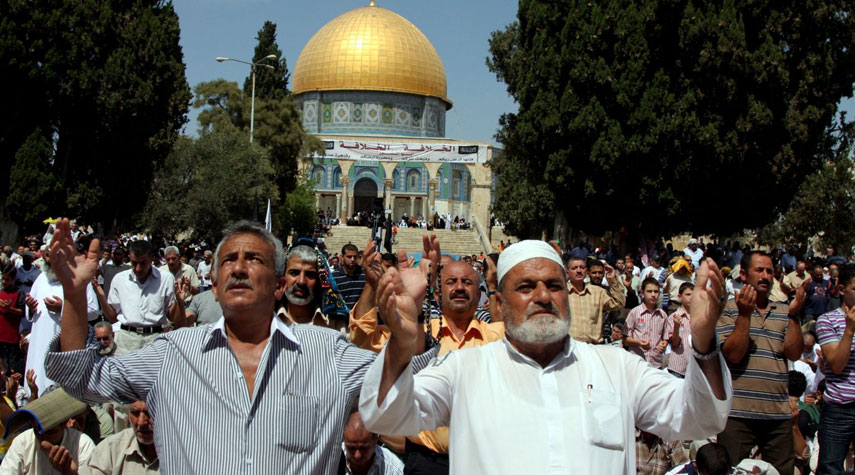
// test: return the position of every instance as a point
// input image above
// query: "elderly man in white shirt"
(574, 405)
(142, 299)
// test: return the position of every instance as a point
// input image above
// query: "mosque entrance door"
(364, 192)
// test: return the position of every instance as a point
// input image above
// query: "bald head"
(460, 291)
(359, 444)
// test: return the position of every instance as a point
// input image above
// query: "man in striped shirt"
(645, 326)
(248, 394)
(757, 335)
(350, 276)
(834, 331)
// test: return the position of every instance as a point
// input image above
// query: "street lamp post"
(220, 59)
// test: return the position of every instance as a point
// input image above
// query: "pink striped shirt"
(679, 358)
(644, 324)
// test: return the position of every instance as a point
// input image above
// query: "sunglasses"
(103, 338)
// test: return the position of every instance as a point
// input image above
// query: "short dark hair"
(391, 258)
(846, 274)
(745, 263)
(712, 459)
(9, 269)
(649, 281)
(594, 263)
(686, 285)
(797, 383)
(349, 247)
(575, 258)
(140, 248)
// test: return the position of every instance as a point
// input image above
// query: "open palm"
(399, 309)
(706, 303)
(73, 270)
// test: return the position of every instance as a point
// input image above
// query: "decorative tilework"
(341, 112)
(402, 114)
(310, 112)
(356, 113)
(417, 116)
(373, 113)
(431, 117)
(326, 111)
(388, 114)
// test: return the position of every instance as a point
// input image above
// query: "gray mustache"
(236, 281)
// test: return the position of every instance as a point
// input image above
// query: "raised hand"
(644, 344)
(371, 262)
(13, 381)
(746, 300)
(491, 274)
(53, 304)
(850, 318)
(59, 457)
(398, 308)
(610, 271)
(73, 270)
(31, 383)
(661, 346)
(181, 287)
(800, 298)
(678, 318)
(706, 305)
(32, 304)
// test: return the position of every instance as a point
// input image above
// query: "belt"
(143, 330)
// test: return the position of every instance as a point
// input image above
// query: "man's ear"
(280, 288)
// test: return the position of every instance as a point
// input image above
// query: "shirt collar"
(155, 274)
(134, 448)
(585, 288)
(276, 325)
(566, 353)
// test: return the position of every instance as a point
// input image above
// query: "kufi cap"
(693, 241)
(523, 251)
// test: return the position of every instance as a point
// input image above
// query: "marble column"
(346, 199)
(412, 205)
(432, 183)
(388, 184)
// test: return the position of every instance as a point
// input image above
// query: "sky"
(458, 29)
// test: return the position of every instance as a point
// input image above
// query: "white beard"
(539, 330)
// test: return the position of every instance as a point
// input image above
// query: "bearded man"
(45, 309)
(310, 295)
(541, 382)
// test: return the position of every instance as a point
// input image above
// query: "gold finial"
(371, 4)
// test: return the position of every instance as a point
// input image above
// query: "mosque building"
(372, 87)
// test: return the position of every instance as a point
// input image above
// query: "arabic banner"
(405, 152)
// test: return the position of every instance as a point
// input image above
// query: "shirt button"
(248, 461)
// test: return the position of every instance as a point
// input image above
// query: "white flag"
(268, 221)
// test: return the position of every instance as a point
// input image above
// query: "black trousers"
(424, 461)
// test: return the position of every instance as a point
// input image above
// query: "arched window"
(337, 178)
(414, 180)
(396, 177)
(318, 177)
(456, 184)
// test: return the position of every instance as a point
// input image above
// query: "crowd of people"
(134, 354)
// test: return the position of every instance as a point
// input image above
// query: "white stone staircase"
(409, 239)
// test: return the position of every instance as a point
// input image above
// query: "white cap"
(523, 251)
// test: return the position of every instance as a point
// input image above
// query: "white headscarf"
(523, 251)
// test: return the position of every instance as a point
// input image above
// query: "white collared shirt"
(142, 305)
(577, 415)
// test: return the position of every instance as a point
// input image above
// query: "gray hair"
(248, 227)
(171, 249)
(304, 252)
(103, 324)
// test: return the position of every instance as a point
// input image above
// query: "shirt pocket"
(298, 423)
(602, 419)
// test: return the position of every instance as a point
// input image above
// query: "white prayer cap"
(523, 251)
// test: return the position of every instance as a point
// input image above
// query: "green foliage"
(107, 80)
(32, 184)
(268, 83)
(206, 184)
(297, 214)
(643, 115)
(823, 206)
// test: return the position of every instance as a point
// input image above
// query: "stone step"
(409, 239)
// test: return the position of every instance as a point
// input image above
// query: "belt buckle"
(139, 330)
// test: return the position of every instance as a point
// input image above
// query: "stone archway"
(364, 192)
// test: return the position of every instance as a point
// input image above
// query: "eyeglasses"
(103, 338)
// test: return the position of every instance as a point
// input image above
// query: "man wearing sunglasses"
(104, 336)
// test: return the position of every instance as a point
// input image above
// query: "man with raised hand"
(248, 394)
(541, 382)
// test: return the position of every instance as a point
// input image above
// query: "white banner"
(405, 152)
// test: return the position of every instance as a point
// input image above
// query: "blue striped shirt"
(205, 421)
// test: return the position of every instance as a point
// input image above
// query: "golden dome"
(373, 49)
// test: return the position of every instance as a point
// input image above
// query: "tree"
(297, 214)
(33, 195)
(640, 114)
(823, 206)
(208, 183)
(106, 79)
(268, 83)
(277, 125)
